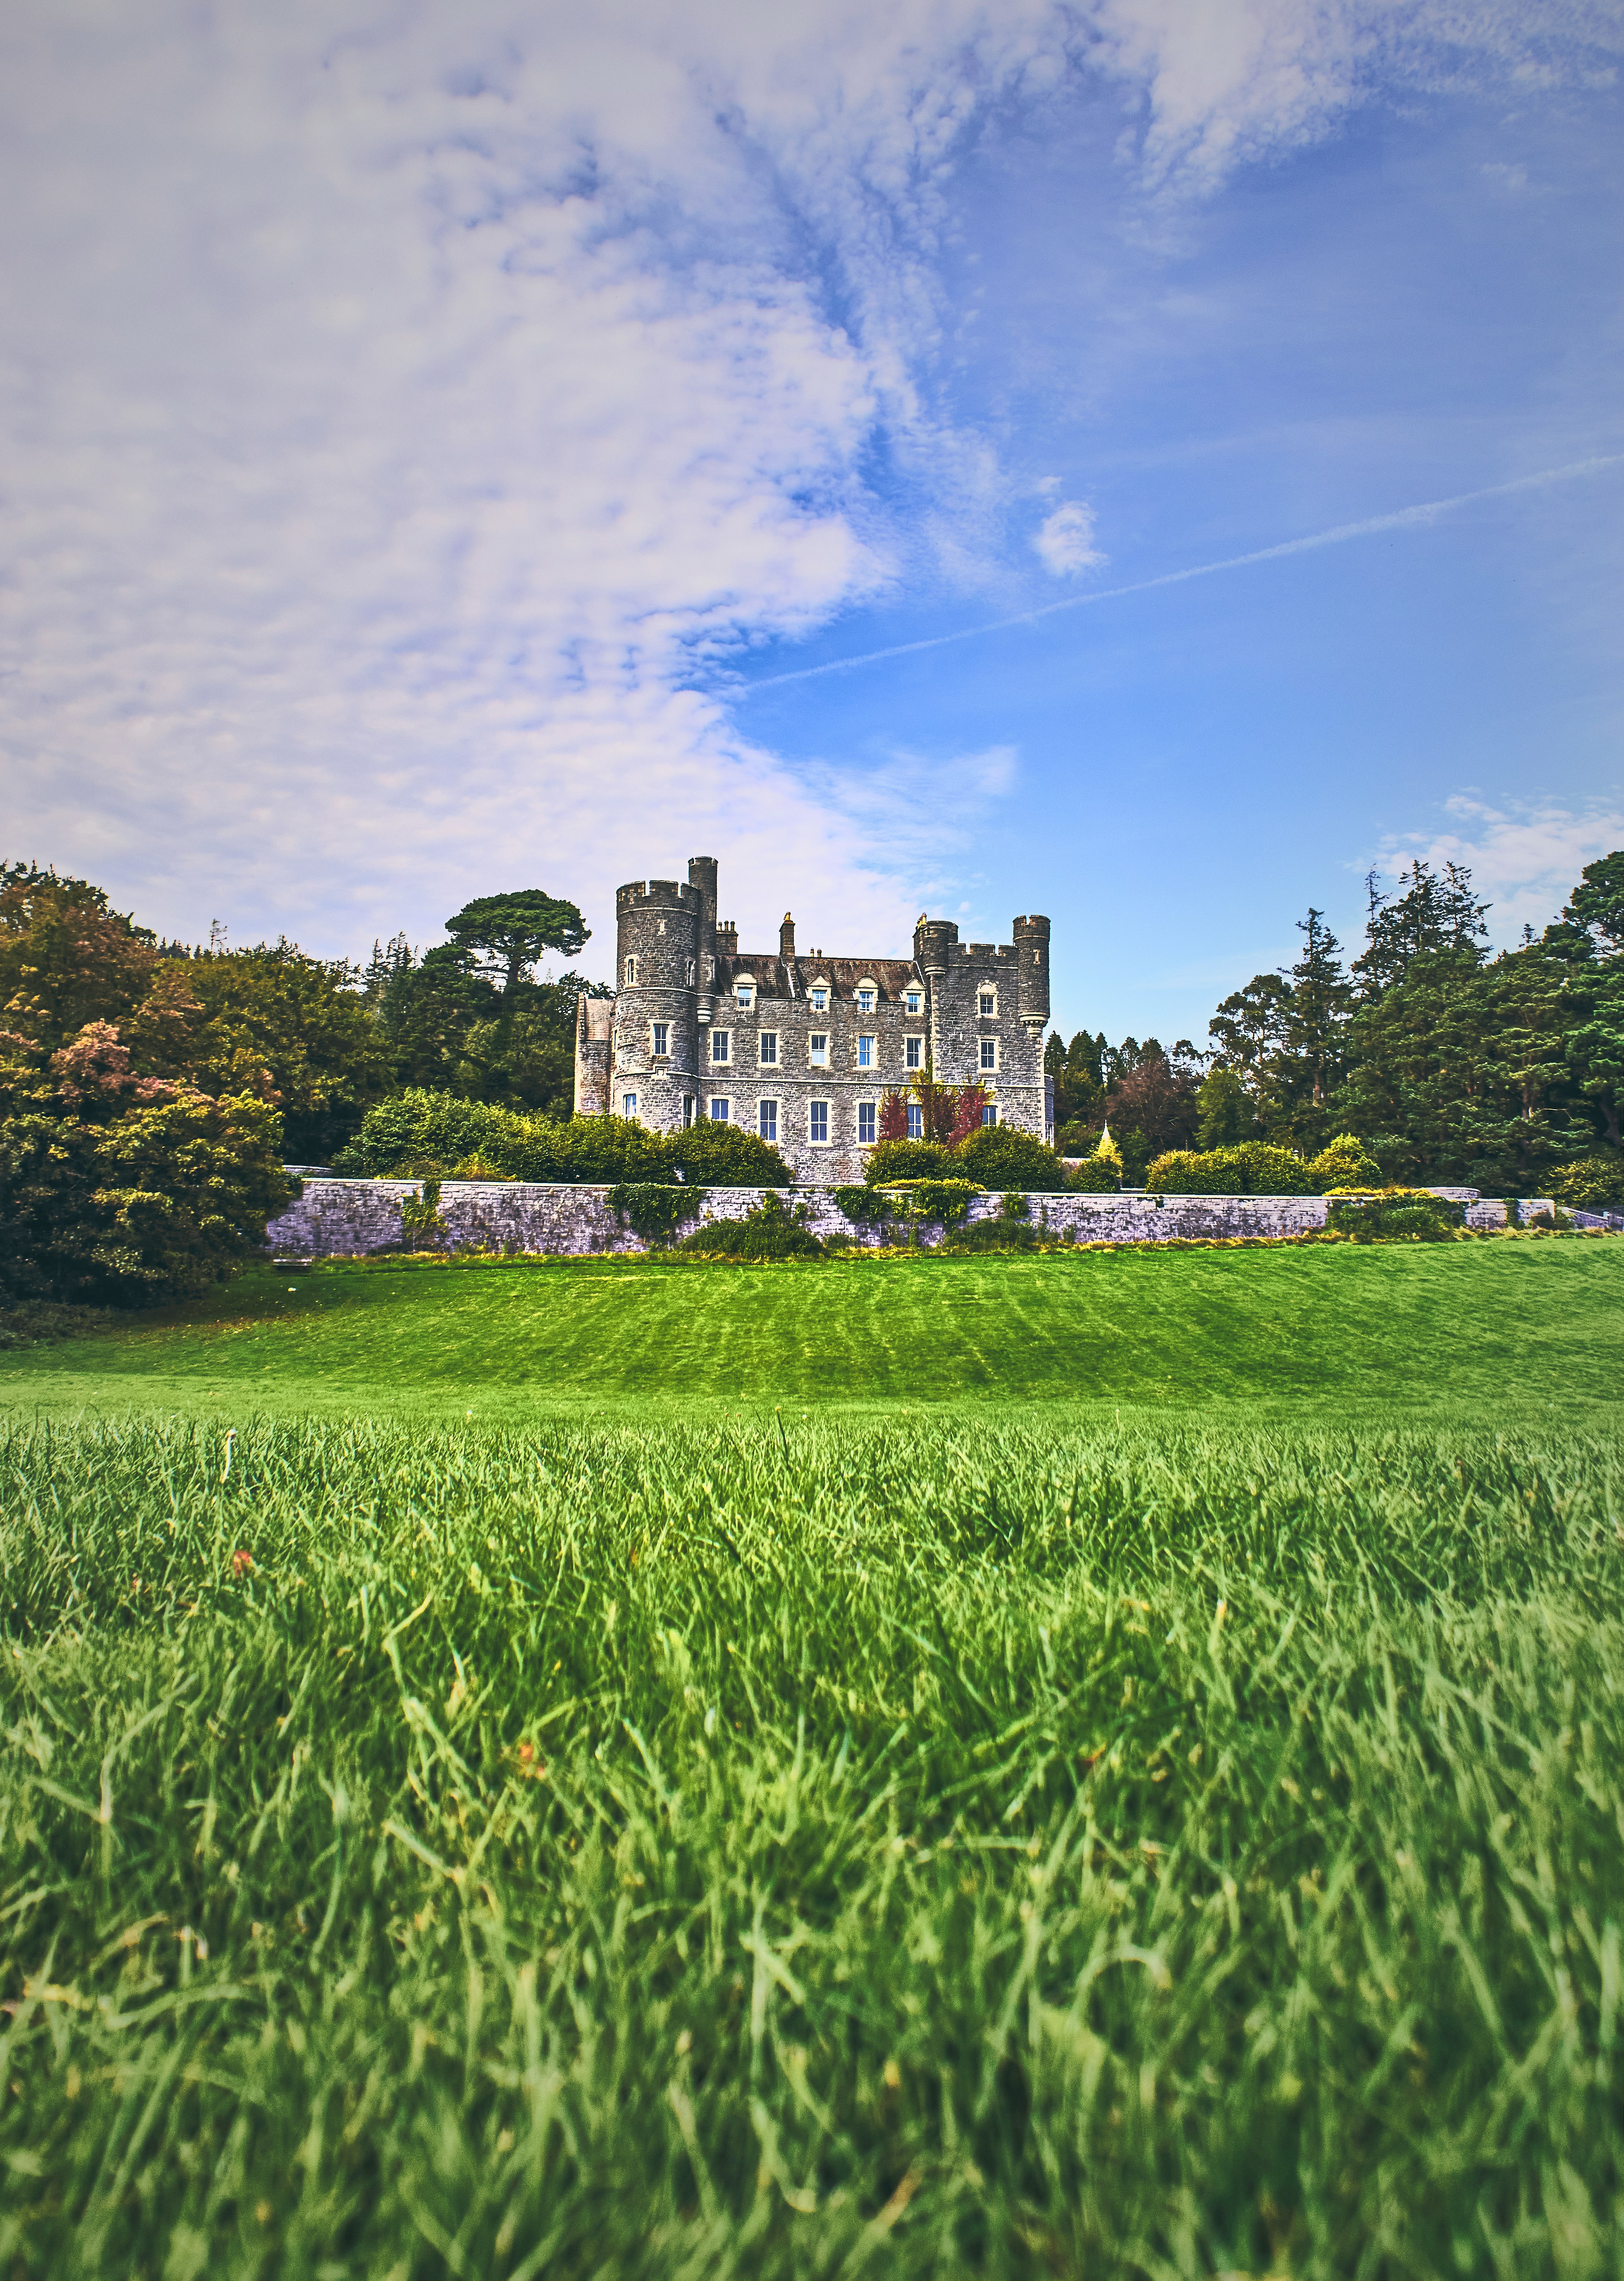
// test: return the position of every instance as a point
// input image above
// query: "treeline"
(1451, 1065)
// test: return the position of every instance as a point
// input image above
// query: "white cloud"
(1066, 539)
(1525, 859)
(399, 400)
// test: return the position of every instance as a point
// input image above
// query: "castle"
(802, 1050)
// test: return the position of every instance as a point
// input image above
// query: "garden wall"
(347, 1216)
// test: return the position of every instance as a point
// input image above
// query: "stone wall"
(336, 1216)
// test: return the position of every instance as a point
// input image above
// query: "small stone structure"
(337, 1216)
(798, 1047)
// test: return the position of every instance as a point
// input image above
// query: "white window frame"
(721, 1109)
(914, 1003)
(871, 1110)
(916, 1121)
(813, 1107)
(744, 993)
(767, 1048)
(724, 1059)
(817, 1048)
(989, 1112)
(989, 1056)
(628, 1106)
(984, 993)
(865, 998)
(660, 1040)
(866, 1057)
(913, 1053)
(765, 1113)
(817, 997)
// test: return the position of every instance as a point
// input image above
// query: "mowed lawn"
(1529, 1324)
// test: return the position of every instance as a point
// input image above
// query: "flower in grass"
(241, 1562)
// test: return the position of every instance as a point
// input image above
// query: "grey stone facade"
(799, 1048)
(340, 1218)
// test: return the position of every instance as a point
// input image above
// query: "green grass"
(902, 1847)
(1404, 1327)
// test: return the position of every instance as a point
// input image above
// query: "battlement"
(672, 894)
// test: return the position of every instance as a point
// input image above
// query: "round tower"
(1032, 962)
(658, 927)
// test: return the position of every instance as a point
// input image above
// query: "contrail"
(1400, 518)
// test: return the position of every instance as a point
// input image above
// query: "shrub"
(1095, 1176)
(654, 1209)
(1251, 1168)
(156, 1202)
(1593, 1183)
(1003, 1157)
(726, 1155)
(769, 1231)
(1344, 1163)
(417, 1129)
(999, 1235)
(947, 1201)
(1414, 1214)
(421, 1224)
(860, 1205)
(906, 1160)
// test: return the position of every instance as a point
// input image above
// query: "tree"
(1226, 1110)
(66, 956)
(1597, 903)
(1432, 913)
(513, 931)
(276, 1023)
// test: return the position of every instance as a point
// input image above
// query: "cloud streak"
(1405, 518)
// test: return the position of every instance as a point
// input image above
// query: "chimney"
(786, 937)
(727, 940)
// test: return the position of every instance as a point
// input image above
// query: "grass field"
(881, 1837)
(1533, 1322)
(1019, 1850)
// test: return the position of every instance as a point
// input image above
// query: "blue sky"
(442, 451)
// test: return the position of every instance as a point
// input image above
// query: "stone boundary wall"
(336, 1218)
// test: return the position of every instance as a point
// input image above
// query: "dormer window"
(865, 997)
(745, 992)
(915, 1001)
(817, 997)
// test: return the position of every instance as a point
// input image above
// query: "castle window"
(915, 1000)
(817, 1123)
(989, 1112)
(818, 1046)
(746, 995)
(865, 1053)
(865, 1000)
(766, 1120)
(662, 1036)
(687, 1109)
(913, 1053)
(866, 1124)
(989, 1053)
(721, 1046)
(632, 973)
(769, 1048)
(627, 1104)
(817, 998)
(689, 971)
(719, 1111)
(916, 1121)
(989, 1001)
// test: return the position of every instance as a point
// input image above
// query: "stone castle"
(802, 1049)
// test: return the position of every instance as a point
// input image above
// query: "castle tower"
(1032, 955)
(658, 923)
(702, 876)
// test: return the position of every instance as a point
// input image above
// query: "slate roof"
(890, 975)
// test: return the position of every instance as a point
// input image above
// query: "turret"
(1031, 958)
(658, 924)
(702, 877)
